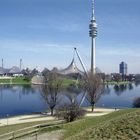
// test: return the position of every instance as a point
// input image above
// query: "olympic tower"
(93, 35)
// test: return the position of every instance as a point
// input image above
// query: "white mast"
(20, 65)
(93, 34)
(2, 63)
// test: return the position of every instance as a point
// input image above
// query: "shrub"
(136, 102)
(70, 112)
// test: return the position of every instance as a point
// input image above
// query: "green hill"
(120, 125)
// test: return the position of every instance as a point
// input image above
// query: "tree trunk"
(51, 112)
(93, 106)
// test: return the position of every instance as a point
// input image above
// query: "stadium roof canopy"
(71, 69)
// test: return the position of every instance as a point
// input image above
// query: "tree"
(108, 78)
(27, 74)
(45, 72)
(94, 86)
(137, 79)
(34, 72)
(117, 77)
(103, 76)
(50, 91)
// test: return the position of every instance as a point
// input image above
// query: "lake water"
(17, 100)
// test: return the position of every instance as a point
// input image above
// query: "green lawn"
(67, 82)
(22, 80)
(15, 80)
(119, 83)
(123, 124)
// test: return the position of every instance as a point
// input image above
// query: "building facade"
(123, 68)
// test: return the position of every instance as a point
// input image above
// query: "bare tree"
(94, 87)
(50, 90)
(117, 78)
(103, 76)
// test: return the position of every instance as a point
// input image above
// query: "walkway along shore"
(45, 117)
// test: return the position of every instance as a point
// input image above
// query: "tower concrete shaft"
(93, 35)
(20, 65)
(93, 55)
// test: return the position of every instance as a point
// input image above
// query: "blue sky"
(44, 32)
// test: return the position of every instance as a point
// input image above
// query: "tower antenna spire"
(93, 12)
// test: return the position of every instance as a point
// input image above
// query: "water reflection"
(72, 93)
(137, 83)
(119, 89)
(19, 99)
(130, 86)
(106, 90)
(17, 89)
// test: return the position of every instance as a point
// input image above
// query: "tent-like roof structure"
(15, 70)
(71, 69)
(3, 71)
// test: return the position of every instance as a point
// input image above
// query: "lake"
(17, 100)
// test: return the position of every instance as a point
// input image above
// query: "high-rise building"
(123, 68)
(93, 34)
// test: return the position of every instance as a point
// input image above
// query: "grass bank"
(117, 83)
(22, 80)
(15, 80)
(67, 82)
(122, 125)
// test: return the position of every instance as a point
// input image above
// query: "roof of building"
(15, 70)
(71, 69)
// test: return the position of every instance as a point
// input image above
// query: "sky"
(43, 33)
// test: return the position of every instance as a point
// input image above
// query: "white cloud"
(33, 47)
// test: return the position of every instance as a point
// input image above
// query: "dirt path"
(99, 111)
(24, 119)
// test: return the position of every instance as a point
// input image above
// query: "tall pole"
(93, 35)
(20, 63)
(2, 63)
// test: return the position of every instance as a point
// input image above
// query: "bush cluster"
(70, 112)
(136, 102)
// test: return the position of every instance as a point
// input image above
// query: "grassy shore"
(122, 125)
(66, 81)
(22, 80)
(15, 80)
(117, 83)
